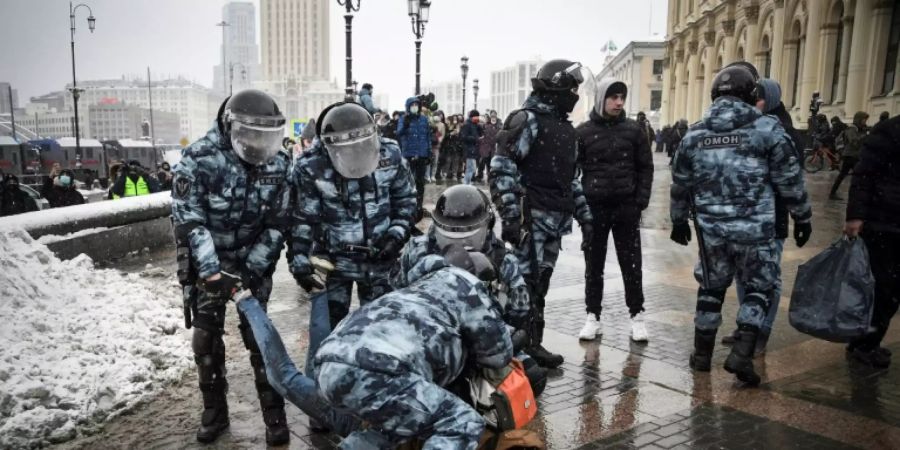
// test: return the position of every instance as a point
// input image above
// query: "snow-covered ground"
(78, 344)
(51, 238)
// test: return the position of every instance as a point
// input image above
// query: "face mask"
(436, 119)
(567, 101)
(414, 110)
(64, 180)
(493, 120)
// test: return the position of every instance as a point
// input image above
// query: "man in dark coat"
(14, 200)
(63, 192)
(617, 180)
(873, 212)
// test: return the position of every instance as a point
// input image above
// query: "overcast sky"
(180, 37)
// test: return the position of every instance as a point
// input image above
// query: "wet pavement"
(610, 393)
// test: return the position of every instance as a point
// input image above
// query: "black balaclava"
(564, 101)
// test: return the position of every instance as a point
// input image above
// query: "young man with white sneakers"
(617, 177)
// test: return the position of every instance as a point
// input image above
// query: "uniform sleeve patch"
(721, 141)
(271, 180)
(181, 187)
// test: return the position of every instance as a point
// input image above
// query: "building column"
(752, 14)
(730, 47)
(665, 108)
(812, 73)
(845, 58)
(829, 37)
(694, 86)
(777, 41)
(708, 75)
(856, 69)
(878, 42)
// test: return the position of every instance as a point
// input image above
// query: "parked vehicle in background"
(89, 165)
(21, 160)
(124, 150)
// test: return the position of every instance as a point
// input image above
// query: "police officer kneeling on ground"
(536, 184)
(354, 196)
(228, 209)
(728, 169)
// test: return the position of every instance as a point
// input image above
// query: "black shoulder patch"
(721, 141)
(181, 187)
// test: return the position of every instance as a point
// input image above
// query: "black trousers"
(418, 167)
(847, 164)
(624, 223)
(885, 262)
(483, 165)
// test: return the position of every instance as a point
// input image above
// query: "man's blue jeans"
(471, 167)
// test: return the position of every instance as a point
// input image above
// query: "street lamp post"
(418, 17)
(348, 28)
(475, 91)
(75, 93)
(464, 68)
(223, 24)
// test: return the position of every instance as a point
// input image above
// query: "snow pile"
(79, 345)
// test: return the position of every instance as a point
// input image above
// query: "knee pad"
(206, 342)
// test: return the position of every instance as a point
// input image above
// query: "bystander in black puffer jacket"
(617, 164)
(875, 188)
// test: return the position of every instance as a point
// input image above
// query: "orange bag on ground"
(504, 397)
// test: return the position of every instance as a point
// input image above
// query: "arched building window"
(767, 58)
(835, 41)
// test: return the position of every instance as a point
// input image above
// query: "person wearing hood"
(769, 102)
(884, 116)
(230, 214)
(617, 176)
(63, 192)
(471, 133)
(535, 183)
(646, 128)
(414, 133)
(133, 181)
(728, 171)
(852, 139)
(365, 98)
(487, 144)
(837, 127)
(873, 212)
(439, 130)
(14, 200)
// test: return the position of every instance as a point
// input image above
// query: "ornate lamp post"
(464, 68)
(348, 28)
(475, 91)
(418, 16)
(75, 92)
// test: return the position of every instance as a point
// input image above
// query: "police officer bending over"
(354, 196)
(536, 185)
(728, 169)
(228, 211)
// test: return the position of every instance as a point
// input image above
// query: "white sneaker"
(592, 328)
(638, 329)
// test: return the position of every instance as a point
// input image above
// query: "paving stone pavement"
(611, 392)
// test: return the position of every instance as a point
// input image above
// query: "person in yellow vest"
(134, 181)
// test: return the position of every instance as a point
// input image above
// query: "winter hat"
(474, 113)
(367, 86)
(770, 91)
(616, 88)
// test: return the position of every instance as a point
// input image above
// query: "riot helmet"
(462, 216)
(747, 66)
(474, 262)
(735, 81)
(254, 124)
(349, 134)
(558, 75)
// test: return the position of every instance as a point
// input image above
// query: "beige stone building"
(844, 49)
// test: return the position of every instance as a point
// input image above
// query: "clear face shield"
(256, 141)
(355, 153)
(472, 240)
(587, 89)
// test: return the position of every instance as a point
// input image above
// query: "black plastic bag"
(834, 293)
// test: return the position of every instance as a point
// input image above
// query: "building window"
(655, 100)
(890, 63)
(657, 67)
(836, 70)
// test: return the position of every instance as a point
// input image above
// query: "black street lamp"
(75, 92)
(418, 16)
(231, 76)
(464, 68)
(475, 91)
(348, 29)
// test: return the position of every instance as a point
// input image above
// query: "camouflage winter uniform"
(730, 165)
(517, 305)
(233, 217)
(388, 361)
(346, 216)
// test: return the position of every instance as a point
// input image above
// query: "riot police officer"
(228, 208)
(538, 147)
(357, 201)
(728, 170)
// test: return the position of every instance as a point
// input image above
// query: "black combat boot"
(704, 343)
(214, 420)
(537, 376)
(740, 360)
(271, 404)
(541, 355)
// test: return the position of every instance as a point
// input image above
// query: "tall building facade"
(640, 66)
(511, 86)
(448, 96)
(240, 67)
(5, 99)
(115, 120)
(844, 49)
(295, 39)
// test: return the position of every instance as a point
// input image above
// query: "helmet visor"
(354, 153)
(586, 90)
(472, 240)
(256, 144)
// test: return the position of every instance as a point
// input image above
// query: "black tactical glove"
(222, 288)
(512, 232)
(802, 232)
(681, 233)
(388, 247)
(587, 237)
(309, 282)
